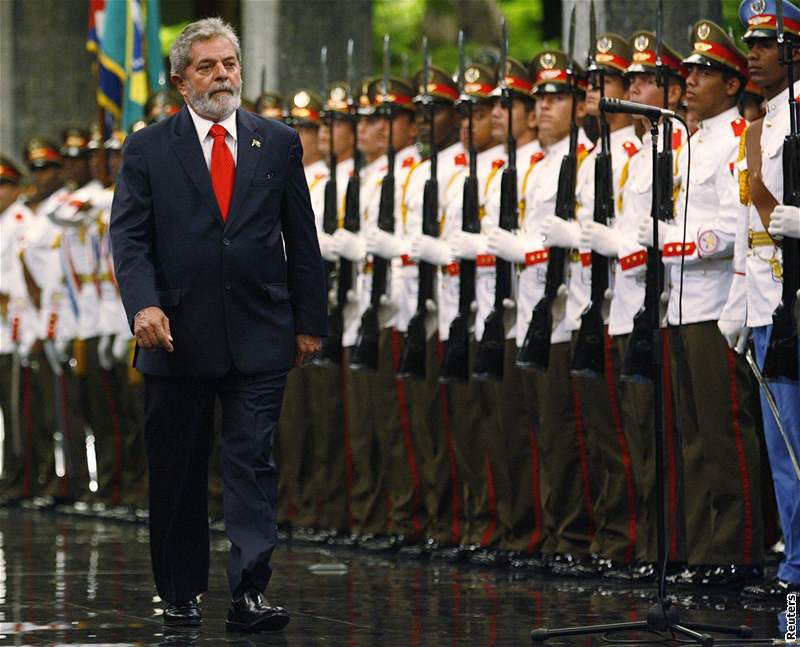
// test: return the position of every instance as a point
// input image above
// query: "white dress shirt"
(203, 126)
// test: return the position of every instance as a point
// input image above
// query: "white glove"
(506, 245)
(430, 249)
(386, 245)
(466, 245)
(352, 296)
(604, 240)
(784, 221)
(430, 306)
(560, 305)
(104, 353)
(735, 333)
(558, 232)
(645, 233)
(349, 246)
(327, 247)
(119, 349)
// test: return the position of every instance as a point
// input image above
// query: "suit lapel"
(187, 149)
(247, 151)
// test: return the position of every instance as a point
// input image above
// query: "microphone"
(632, 108)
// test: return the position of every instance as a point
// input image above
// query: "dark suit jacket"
(236, 292)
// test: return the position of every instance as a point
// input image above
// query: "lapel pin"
(255, 144)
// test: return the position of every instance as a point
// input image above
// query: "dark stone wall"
(52, 80)
(306, 25)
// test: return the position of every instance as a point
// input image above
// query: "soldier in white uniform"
(613, 547)
(757, 286)
(485, 523)
(431, 411)
(620, 243)
(56, 327)
(17, 336)
(333, 393)
(394, 444)
(301, 458)
(79, 214)
(552, 412)
(720, 449)
(516, 464)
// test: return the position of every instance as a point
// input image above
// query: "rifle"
(639, 362)
(331, 352)
(365, 352)
(535, 350)
(412, 360)
(455, 365)
(352, 209)
(589, 356)
(491, 349)
(781, 357)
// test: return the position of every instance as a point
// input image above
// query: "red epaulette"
(630, 148)
(498, 163)
(408, 161)
(538, 156)
(738, 126)
(461, 159)
(677, 139)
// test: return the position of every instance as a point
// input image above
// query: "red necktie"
(223, 170)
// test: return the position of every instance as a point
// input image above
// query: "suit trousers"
(178, 435)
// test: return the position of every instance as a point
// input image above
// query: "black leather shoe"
(490, 557)
(450, 554)
(532, 563)
(252, 614)
(774, 590)
(639, 571)
(728, 575)
(564, 564)
(183, 615)
(685, 577)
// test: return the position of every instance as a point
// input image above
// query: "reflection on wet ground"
(70, 581)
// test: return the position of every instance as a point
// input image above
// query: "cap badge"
(758, 6)
(472, 74)
(548, 60)
(604, 45)
(641, 42)
(302, 99)
(338, 93)
(703, 31)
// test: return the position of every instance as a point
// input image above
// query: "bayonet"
(387, 62)
(501, 77)
(571, 50)
(591, 58)
(351, 74)
(461, 64)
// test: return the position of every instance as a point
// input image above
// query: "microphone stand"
(663, 615)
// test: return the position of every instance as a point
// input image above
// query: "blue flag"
(130, 65)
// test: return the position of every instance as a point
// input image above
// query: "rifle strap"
(404, 191)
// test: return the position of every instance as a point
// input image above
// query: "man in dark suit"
(217, 260)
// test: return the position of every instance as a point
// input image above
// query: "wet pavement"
(71, 581)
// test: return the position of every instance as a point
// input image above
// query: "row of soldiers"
(549, 470)
(546, 470)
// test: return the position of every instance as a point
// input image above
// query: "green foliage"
(405, 22)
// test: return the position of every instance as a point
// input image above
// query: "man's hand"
(151, 329)
(306, 346)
